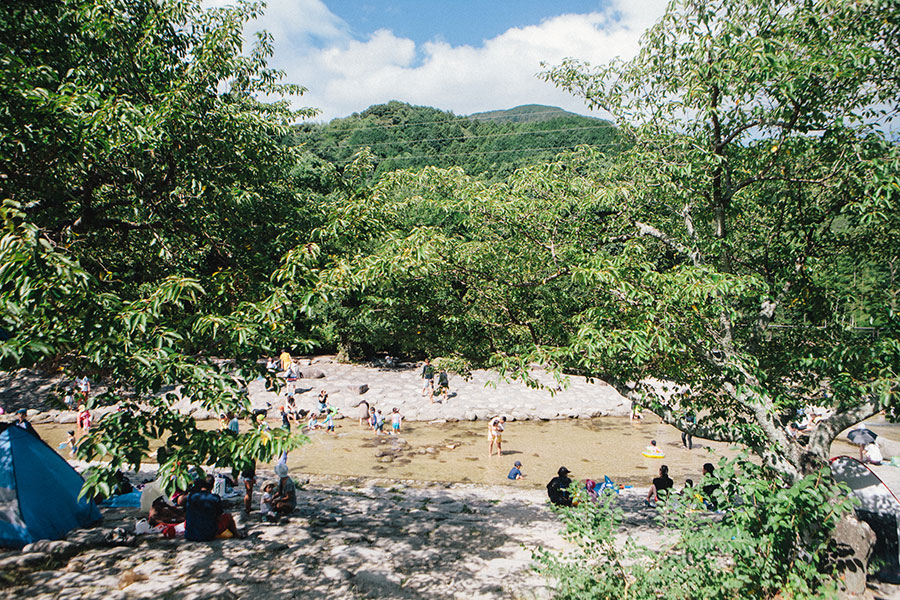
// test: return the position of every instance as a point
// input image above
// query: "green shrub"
(767, 540)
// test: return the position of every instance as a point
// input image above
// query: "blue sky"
(463, 22)
(462, 55)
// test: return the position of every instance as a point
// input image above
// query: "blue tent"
(38, 491)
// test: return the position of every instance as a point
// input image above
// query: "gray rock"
(334, 573)
(380, 584)
(311, 373)
(57, 548)
(470, 415)
(31, 560)
(358, 389)
(65, 418)
(854, 541)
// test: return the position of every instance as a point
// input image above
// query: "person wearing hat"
(516, 471)
(558, 488)
(285, 498)
(24, 423)
(266, 511)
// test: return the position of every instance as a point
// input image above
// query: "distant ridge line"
(487, 115)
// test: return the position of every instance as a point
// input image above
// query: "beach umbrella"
(862, 436)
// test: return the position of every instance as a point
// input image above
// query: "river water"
(458, 452)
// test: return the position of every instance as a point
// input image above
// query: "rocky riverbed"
(480, 396)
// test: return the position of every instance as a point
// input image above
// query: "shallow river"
(458, 452)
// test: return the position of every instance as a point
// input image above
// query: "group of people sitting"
(662, 487)
(198, 513)
(559, 488)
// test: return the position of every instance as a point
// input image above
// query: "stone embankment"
(479, 397)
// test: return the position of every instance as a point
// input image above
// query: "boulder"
(60, 549)
(31, 560)
(853, 542)
(311, 373)
(379, 584)
(470, 415)
(45, 417)
(358, 388)
(65, 418)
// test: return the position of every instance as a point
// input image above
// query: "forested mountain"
(491, 144)
(524, 114)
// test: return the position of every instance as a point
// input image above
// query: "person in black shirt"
(710, 486)
(660, 485)
(558, 488)
(23, 423)
(204, 518)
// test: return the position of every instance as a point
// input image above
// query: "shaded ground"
(348, 540)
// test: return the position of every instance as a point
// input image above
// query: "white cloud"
(346, 75)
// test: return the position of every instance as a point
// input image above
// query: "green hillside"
(491, 145)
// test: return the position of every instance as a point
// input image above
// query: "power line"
(443, 155)
(475, 137)
(454, 118)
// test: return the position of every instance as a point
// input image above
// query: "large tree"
(147, 196)
(722, 265)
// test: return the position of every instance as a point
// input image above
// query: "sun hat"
(518, 463)
(22, 411)
(281, 470)
(260, 417)
(82, 407)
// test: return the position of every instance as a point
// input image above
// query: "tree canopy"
(147, 198)
(732, 256)
(720, 265)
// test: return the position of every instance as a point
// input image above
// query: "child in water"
(396, 418)
(379, 423)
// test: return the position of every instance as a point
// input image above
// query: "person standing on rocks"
(83, 421)
(248, 476)
(495, 435)
(428, 378)
(443, 386)
(84, 384)
(286, 360)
